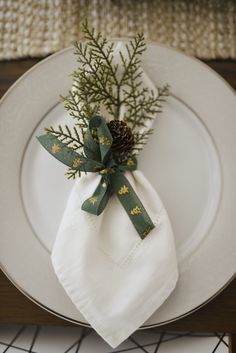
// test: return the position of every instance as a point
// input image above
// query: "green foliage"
(73, 173)
(69, 137)
(99, 83)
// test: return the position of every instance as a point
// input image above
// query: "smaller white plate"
(190, 160)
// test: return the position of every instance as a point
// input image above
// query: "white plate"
(190, 161)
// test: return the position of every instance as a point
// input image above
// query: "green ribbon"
(97, 158)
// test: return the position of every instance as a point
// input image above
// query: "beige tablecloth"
(204, 28)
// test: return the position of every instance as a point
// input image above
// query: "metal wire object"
(40, 339)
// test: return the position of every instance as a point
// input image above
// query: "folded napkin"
(114, 278)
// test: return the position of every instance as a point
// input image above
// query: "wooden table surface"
(218, 315)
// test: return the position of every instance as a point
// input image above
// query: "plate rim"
(143, 327)
(8, 92)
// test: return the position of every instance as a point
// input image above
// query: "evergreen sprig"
(142, 107)
(100, 84)
(73, 173)
(70, 138)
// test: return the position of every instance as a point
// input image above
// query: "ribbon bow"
(97, 158)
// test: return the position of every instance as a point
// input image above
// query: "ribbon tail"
(132, 204)
(98, 201)
(67, 155)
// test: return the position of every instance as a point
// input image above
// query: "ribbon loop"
(99, 139)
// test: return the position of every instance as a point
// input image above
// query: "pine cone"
(123, 139)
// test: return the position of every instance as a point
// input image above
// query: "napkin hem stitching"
(128, 257)
(109, 338)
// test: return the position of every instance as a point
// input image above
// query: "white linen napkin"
(115, 279)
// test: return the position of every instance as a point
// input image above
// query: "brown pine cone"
(123, 139)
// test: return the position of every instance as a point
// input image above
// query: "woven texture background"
(204, 28)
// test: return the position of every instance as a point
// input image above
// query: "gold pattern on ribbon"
(147, 231)
(104, 184)
(136, 211)
(93, 200)
(55, 148)
(107, 171)
(103, 140)
(77, 163)
(123, 190)
(130, 163)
